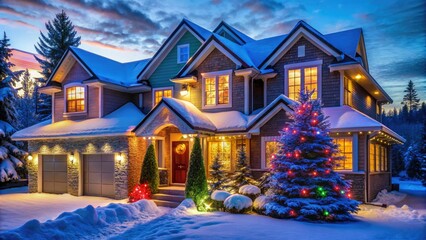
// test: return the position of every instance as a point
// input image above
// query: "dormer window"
(75, 99)
(182, 53)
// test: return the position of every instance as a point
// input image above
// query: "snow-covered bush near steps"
(260, 202)
(250, 191)
(220, 195)
(238, 203)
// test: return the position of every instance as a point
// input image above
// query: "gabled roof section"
(240, 37)
(118, 123)
(346, 41)
(301, 29)
(233, 51)
(98, 67)
(185, 25)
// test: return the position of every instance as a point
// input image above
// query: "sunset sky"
(395, 31)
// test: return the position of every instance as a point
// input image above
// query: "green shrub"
(196, 181)
(150, 173)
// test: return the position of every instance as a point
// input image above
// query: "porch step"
(168, 197)
(162, 203)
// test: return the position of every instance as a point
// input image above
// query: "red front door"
(180, 159)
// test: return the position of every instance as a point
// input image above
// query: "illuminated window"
(294, 82)
(182, 53)
(270, 146)
(216, 88)
(378, 158)
(75, 99)
(160, 93)
(223, 150)
(348, 89)
(345, 151)
(302, 78)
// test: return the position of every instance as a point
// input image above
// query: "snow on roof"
(238, 50)
(200, 30)
(241, 35)
(345, 118)
(260, 49)
(229, 120)
(108, 70)
(345, 41)
(120, 122)
(190, 113)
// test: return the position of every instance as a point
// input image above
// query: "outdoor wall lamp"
(184, 90)
(72, 158)
(119, 158)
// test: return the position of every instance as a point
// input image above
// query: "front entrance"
(180, 159)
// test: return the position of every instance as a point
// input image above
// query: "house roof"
(241, 36)
(120, 122)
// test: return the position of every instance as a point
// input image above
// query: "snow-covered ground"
(17, 206)
(142, 220)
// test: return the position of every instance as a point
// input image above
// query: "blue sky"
(395, 31)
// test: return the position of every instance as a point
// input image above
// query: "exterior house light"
(119, 158)
(184, 90)
(358, 76)
(72, 158)
(376, 92)
(30, 157)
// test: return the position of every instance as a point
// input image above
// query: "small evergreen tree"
(60, 36)
(397, 160)
(412, 162)
(196, 181)
(303, 183)
(411, 98)
(149, 173)
(265, 181)
(218, 178)
(242, 175)
(11, 156)
(423, 151)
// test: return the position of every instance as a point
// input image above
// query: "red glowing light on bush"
(292, 213)
(139, 192)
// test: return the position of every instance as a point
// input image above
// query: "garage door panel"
(54, 173)
(98, 174)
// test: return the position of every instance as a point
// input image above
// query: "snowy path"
(17, 206)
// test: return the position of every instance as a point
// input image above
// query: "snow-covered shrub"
(237, 203)
(250, 191)
(260, 202)
(218, 197)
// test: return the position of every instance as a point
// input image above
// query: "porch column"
(247, 74)
(265, 78)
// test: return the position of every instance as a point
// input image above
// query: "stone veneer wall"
(358, 185)
(137, 150)
(101, 145)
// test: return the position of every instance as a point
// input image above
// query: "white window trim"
(216, 74)
(302, 65)
(263, 149)
(159, 89)
(75, 84)
(179, 49)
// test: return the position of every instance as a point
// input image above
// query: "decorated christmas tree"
(218, 178)
(303, 183)
(242, 175)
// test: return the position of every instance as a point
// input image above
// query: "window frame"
(179, 51)
(264, 140)
(159, 89)
(71, 85)
(302, 66)
(343, 153)
(210, 158)
(348, 89)
(216, 75)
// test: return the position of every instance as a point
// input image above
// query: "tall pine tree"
(26, 102)
(10, 154)
(410, 98)
(303, 183)
(51, 46)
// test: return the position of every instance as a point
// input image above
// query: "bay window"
(378, 158)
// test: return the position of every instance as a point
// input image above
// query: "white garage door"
(54, 170)
(98, 176)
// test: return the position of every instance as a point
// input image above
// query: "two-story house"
(223, 86)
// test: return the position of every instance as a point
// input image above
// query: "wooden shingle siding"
(363, 101)
(92, 102)
(217, 61)
(169, 66)
(76, 74)
(114, 99)
(59, 105)
(330, 81)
